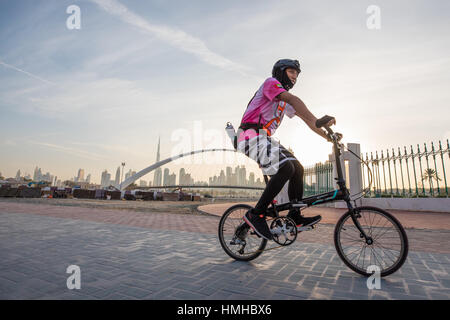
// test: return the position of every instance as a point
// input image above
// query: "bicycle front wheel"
(236, 238)
(389, 247)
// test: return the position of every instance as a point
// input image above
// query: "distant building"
(185, 179)
(37, 174)
(117, 180)
(157, 178)
(106, 179)
(80, 176)
(142, 183)
(251, 179)
(169, 179)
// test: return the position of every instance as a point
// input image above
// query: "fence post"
(401, 171)
(435, 168)
(389, 167)
(368, 176)
(395, 171)
(414, 167)
(430, 177)
(354, 168)
(375, 190)
(421, 172)
(443, 169)
(378, 182)
(407, 170)
(384, 173)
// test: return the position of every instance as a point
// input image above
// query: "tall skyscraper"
(251, 179)
(128, 174)
(241, 176)
(18, 175)
(117, 180)
(229, 175)
(182, 180)
(37, 174)
(166, 177)
(105, 179)
(88, 178)
(157, 178)
(80, 176)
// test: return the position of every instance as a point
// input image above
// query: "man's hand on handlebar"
(330, 123)
(325, 122)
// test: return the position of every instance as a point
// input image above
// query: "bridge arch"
(158, 164)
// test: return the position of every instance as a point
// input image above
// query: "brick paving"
(135, 255)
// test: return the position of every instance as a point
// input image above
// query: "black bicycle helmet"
(279, 71)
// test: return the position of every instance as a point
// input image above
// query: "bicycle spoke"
(379, 235)
(353, 252)
(381, 228)
(388, 250)
(375, 256)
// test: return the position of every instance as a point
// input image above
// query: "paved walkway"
(133, 255)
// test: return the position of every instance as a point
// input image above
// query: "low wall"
(413, 204)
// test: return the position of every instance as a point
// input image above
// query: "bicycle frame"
(339, 194)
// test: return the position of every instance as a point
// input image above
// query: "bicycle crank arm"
(299, 205)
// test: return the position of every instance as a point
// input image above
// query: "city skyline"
(72, 98)
(238, 177)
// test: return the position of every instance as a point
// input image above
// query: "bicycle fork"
(355, 216)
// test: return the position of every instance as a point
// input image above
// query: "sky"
(135, 71)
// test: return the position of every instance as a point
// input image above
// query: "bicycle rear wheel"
(248, 245)
(389, 248)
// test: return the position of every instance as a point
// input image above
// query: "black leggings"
(290, 170)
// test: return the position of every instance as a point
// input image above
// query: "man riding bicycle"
(259, 122)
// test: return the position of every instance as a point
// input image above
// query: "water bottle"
(232, 134)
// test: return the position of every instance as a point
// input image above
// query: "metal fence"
(408, 172)
(318, 179)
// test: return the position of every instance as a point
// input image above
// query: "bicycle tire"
(223, 242)
(404, 246)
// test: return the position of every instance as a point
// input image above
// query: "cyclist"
(259, 122)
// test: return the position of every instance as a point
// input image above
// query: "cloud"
(85, 95)
(72, 151)
(26, 72)
(173, 36)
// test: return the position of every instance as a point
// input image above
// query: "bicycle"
(359, 229)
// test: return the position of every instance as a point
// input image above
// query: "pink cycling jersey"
(266, 109)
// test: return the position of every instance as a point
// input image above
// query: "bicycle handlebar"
(323, 121)
(333, 136)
